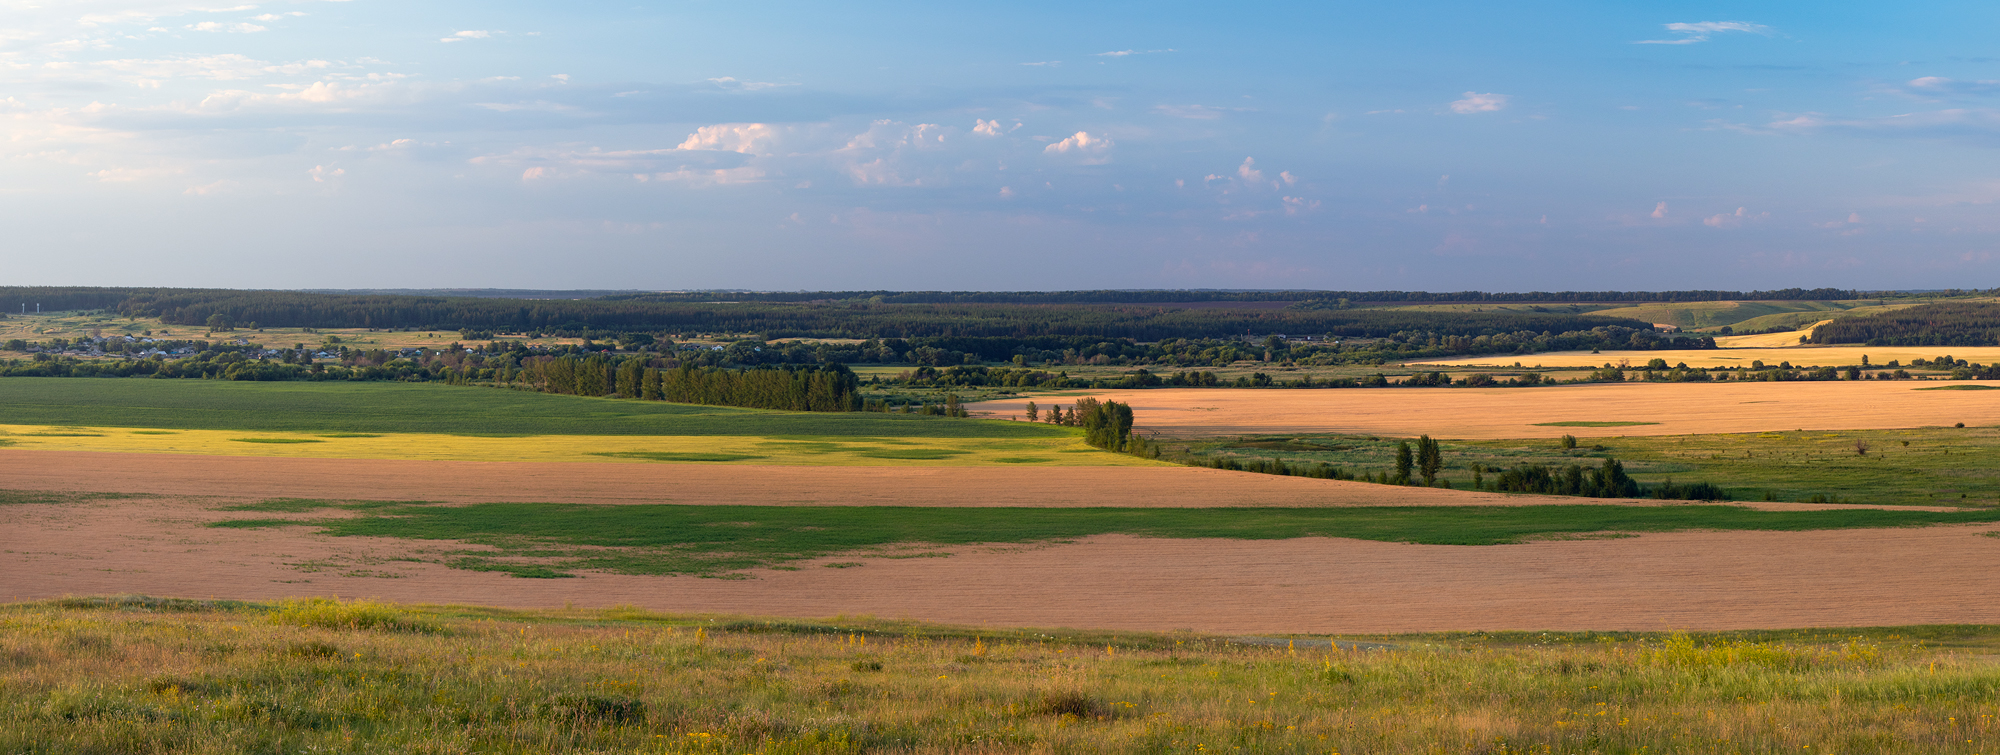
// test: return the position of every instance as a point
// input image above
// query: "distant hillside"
(1949, 324)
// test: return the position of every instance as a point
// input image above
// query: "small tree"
(1403, 462)
(1861, 448)
(952, 407)
(1430, 460)
(1568, 442)
(1034, 412)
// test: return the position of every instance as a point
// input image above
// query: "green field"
(1937, 466)
(431, 408)
(141, 676)
(678, 539)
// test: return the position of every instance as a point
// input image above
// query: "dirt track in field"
(1653, 582)
(1480, 413)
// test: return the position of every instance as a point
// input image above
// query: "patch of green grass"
(1022, 460)
(350, 435)
(910, 453)
(46, 497)
(708, 540)
(323, 408)
(1585, 423)
(1961, 388)
(155, 432)
(676, 456)
(276, 440)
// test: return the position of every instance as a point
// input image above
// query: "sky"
(1418, 145)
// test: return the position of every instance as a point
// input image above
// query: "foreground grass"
(429, 408)
(1063, 449)
(1934, 466)
(548, 540)
(152, 676)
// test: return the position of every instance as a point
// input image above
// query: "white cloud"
(1123, 53)
(1296, 205)
(276, 16)
(1659, 210)
(730, 137)
(1938, 85)
(1081, 142)
(237, 28)
(320, 173)
(1044, 63)
(1476, 102)
(986, 128)
(1249, 172)
(1700, 31)
(467, 34)
(730, 82)
(1288, 177)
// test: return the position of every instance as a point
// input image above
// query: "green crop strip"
(717, 540)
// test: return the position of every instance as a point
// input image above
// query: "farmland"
(425, 408)
(1500, 413)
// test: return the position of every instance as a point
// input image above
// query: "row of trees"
(832, 388)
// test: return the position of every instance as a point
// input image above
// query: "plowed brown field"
(1695, 581)
(1474, 413)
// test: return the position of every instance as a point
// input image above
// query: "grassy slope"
(675, 539)
(145, 676)
(425, 408)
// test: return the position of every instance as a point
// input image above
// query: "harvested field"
(1493, 413)
(1799, 356)
(1937, 575)
(1062, 450)
(714, 484)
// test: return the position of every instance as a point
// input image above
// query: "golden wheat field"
(1772, 356)
(843, 451)
(1479, 413)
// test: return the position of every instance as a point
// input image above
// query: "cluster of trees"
(1608, 480)
(831, 388)
(1950, 324)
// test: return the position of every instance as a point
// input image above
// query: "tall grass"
(156, 680)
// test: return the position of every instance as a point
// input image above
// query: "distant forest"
(1136, 315)
(1948, 324)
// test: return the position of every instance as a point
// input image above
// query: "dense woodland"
(1948, 324)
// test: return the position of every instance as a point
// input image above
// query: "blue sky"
(772, 145)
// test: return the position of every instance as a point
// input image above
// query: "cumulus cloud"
(1080, 142)
(986, 128)
(1700, 31)
(322, 174)
(1475, 102)
(1659, 210)
(1248, 171)
(731, 137)
(467, 34)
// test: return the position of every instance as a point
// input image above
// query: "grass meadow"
(138, 675)
(552, 540)
(1932, 466)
